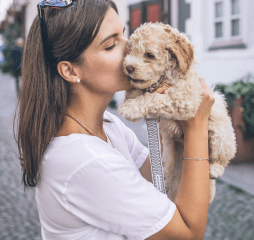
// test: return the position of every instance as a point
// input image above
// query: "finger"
(204, 85)
(205, 89)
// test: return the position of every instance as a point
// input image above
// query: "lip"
(137, 80)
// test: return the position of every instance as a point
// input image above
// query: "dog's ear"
(181, 48)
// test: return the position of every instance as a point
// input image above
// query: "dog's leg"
(171, 159)
(221, 140)
(173, 168)
(212, 190)
(133, 93)
(134, 108)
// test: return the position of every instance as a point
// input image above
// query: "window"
(219, 19)
(235, 17)
(227, 21)
(146, 11)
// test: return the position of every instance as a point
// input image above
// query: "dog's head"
(156, 50)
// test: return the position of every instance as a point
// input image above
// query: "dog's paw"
(131, 110)
(216, 170)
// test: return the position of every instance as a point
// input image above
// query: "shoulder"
(68, 153)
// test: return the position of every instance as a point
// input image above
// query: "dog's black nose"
(130, 69)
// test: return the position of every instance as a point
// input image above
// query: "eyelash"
(108, 49)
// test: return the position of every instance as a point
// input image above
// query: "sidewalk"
(238, 175)
(18, 211)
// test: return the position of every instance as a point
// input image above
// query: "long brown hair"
(44, 95)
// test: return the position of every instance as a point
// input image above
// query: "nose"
(130, 69)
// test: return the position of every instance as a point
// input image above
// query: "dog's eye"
(149, 55)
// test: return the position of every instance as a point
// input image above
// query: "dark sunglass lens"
(55, 3)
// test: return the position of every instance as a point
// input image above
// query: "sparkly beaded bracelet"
(197, 159)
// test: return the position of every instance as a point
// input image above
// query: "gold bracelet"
(197, 159)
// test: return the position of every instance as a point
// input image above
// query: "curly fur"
(157, 50)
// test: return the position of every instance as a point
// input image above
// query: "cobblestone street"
(231, 214)
(18, 212)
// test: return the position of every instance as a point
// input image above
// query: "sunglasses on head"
(40, 6)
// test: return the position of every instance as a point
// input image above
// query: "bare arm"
(192, 200)
(145, 170)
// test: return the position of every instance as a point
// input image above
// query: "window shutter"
(153, 13)
(135, 18)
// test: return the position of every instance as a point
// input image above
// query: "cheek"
(114, 65)
(105, 69)
(109, 62)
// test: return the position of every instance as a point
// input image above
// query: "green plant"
(112, 104)
(11, 33)
(242, 88)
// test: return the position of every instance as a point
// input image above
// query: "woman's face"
(102, 69)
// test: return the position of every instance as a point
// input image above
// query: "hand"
(200, 121)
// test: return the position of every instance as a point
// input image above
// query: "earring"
(78, 80)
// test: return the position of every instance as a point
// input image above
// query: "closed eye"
(111, 47)
(108, 49)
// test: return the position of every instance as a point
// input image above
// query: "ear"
(181, 47)
(67, 71)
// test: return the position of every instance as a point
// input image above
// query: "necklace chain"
(89, 129)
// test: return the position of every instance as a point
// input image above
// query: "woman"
(83, 161)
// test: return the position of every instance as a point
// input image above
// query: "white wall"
(31, 13)
(174, 13)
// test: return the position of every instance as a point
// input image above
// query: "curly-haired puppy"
(159, 58)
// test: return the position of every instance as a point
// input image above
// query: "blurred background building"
(222, 31)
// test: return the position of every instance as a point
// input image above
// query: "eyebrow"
(110, 36)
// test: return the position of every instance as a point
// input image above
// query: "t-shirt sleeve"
(138, 151)
(110, 194)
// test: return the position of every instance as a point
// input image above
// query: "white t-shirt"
(92, 191)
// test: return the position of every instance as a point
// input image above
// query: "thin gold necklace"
(89, 129)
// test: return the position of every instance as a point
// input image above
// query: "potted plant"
(240, 99)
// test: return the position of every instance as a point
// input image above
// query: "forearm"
(192, 199)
